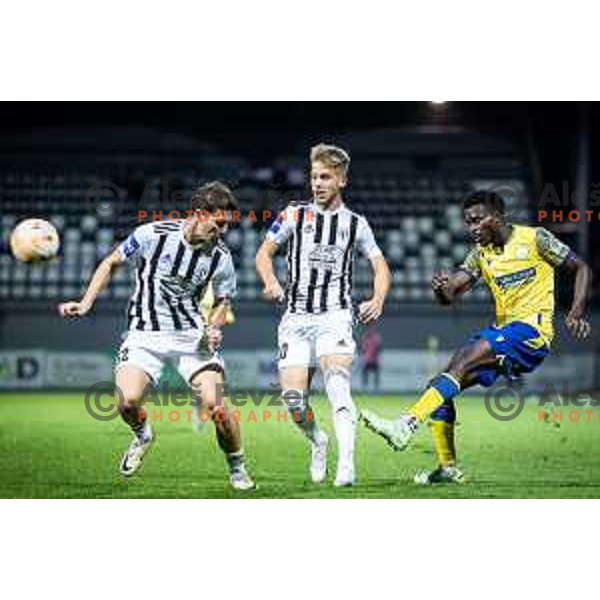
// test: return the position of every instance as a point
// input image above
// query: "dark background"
(552, 142)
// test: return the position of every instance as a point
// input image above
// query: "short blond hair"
(333, 156)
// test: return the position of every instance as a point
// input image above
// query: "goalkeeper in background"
(517, 263)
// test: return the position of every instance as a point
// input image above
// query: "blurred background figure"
(370, 355)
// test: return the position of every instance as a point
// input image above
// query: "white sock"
(337, 386)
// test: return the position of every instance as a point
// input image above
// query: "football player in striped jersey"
(175, 262)
(317, 327)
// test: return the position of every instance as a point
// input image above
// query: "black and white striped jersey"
(172, 276)
(320, 254)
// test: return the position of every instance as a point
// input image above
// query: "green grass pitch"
(51, 448)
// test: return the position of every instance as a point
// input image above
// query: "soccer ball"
(34, 240)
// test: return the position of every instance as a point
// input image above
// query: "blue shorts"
(519, 349)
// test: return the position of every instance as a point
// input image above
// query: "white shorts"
(150, 350)
(304, 339)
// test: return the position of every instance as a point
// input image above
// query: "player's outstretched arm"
(100, 280)
(578, 325)
(264, 266)
(371, 309)
(450, 286)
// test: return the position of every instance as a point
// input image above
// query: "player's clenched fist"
(578, 326)
(273, 291)
(440, 281)
(440, 284)
(214, 337)
(370, 310)
(72, 309)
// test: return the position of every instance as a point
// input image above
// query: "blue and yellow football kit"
(520, 277)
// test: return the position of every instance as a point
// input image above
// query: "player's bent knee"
(461, 365)
(329, 363)
(131, 407)
(219, 413)
(213, 372)
(130, 399)
(295, 399)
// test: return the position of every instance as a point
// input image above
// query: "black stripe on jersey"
(176, 320)
(312, 284)
(129, 315)
(288, 258)
(214, 263)
(331, 241)
(189, 273)
(192, 265)
(195, 304)
(326, 280)
(164, 230)
(351, 238)
(140, 295)
(178, 259)
(319, 229)
(314, 273)
(151, 274)
(297, 255)
(333, 230)
(186, 315)
(289, 275)
(174, 271)
(165, 226)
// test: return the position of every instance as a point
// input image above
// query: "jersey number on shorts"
(123, 355)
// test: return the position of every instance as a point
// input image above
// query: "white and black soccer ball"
(34, 240)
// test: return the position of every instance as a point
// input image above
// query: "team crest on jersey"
(165, 259)
(522, 252)
(344, 233)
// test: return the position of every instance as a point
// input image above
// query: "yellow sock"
(443, 442)
(426, 404)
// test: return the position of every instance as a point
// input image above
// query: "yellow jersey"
(520, 276)
(207, 304)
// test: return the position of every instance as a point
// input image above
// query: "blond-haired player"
(317, 327)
